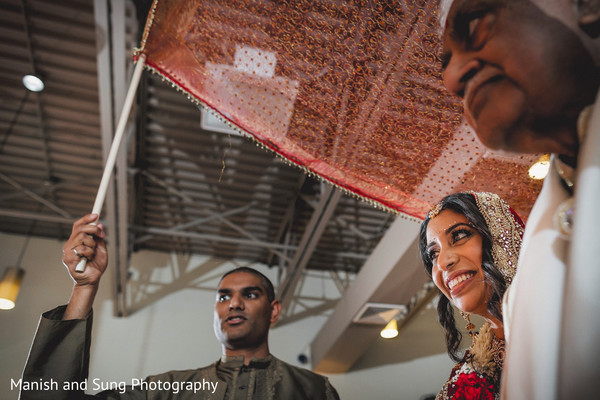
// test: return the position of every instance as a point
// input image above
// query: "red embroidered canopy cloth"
(349, 90)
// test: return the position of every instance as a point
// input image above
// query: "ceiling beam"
(35, 196)
(212, 237)
(107, 46)
(200, 221)
(35, 216)
(121, 69)
(329, 200)
(285, 226)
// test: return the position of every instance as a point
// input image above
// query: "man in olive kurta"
(244, 310)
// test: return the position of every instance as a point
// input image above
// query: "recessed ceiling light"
(33, 83)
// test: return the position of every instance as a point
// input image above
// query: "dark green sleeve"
(59, 354)
(59, 360)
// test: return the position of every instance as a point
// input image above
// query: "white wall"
(173, 333)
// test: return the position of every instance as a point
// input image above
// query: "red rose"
(473, 387)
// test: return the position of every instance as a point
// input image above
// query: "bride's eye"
(432, 254)
(461, 234)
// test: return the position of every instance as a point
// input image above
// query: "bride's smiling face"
(455, 249)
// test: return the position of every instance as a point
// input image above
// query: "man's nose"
(236, 303)
(460, 69)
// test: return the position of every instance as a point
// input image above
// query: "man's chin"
(492, 139)
(233, 335)
(485, 136)
(499, 121)
(235, 342)
(500, 136)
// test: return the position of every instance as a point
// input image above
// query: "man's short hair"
(266, 282)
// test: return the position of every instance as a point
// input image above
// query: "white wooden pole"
(114, 148)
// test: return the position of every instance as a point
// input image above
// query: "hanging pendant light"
(11, 281)
(9, 287)
(391, 330)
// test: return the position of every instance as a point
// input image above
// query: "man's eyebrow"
(253, 289)
(244, 289)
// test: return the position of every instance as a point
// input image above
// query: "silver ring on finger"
(76, 252)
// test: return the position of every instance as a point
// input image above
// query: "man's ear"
(275, 310)
(589, 16)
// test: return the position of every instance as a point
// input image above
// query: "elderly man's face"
(524, 77)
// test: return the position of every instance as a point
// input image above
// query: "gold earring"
(470, 326)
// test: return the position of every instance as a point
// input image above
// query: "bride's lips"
(459, 280)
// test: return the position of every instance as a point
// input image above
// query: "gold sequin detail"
(435, 210)
(507, 233)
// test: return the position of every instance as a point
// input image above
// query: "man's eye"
(472, 27)
(469, 25)
(223, 297)
(252, 295)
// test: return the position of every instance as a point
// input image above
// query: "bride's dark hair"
(465, 204)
